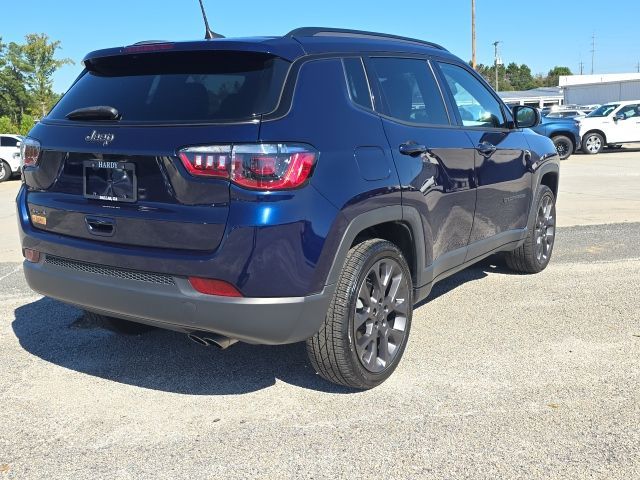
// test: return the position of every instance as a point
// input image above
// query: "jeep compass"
(311, 187)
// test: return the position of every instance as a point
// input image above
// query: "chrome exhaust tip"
(206, 339)
(199, 340)
(219, 341)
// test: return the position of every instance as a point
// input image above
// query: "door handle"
(486, 148)
(101, 226)
(412, 149)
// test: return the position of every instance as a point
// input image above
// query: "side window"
(410, 91)
(357, 82)
(477, 106)
(9, 142)
(630, 111)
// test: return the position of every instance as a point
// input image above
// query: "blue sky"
(541, 33)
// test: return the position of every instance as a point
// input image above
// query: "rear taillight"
(211, 161)
(30, 152)
(255, 166)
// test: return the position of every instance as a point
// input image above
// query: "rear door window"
(179, 87)
(410, 91)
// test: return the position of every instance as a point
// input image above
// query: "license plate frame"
(110, 181)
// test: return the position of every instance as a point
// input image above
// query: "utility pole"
(593, 52)
(497, 61)
(473, 34)
(581, 68)
(638, 67)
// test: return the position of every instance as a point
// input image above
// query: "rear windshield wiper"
(100, 112)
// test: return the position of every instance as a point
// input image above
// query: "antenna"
(208, 34)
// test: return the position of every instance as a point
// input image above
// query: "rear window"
(179, 87)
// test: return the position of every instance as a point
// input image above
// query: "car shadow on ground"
(168, 361)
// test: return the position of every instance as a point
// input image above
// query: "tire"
(535, 253)
(592, 143)
(117, 324)
(564, 146)
(5, 171)
(354, 330)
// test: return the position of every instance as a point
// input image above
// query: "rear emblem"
(103, 138)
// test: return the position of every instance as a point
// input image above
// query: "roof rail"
(341, 32)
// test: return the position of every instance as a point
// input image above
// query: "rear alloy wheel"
(564, 146)
(534, 255)
(592, 143)
(367, 326)
(5, 171)
(117, 324)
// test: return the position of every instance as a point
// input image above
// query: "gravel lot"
(505, 376)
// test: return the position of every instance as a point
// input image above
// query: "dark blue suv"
(311, 187)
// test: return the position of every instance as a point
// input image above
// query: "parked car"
(610, 125)
(277, 190)
(564, 132)
(569, 113)
(9, 155)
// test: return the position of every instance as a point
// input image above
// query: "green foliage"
(554, 74)
(6, 125)
(519, 77)
(26, 85)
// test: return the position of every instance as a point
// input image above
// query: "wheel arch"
(400, 225)
(565, 133)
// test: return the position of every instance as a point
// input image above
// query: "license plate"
(112, 181)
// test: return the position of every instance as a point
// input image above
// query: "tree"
(520, 77)
(553, 79)
(14, 97)
(39, 54)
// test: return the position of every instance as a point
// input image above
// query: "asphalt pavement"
(505, 376)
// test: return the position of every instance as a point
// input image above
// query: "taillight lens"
(209, 161)
(30, 152)
(256, 166)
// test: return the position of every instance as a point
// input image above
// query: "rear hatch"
(110, 172)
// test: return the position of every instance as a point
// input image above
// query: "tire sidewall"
(566, 140)
(544, 192)
(382, 251)
(5, 171)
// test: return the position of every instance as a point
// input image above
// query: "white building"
(599, 89)
(538, 97)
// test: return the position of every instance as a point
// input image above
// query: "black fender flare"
(393, 213)
(538, 174)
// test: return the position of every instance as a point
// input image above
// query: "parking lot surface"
(505, 376)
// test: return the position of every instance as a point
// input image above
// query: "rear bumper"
(170, 302)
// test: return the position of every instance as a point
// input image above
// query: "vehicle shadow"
(159, 359)
(168, 361)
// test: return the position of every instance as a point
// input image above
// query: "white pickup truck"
(9, 156)
(610, 125)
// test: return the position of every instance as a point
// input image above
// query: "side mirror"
(619, 116)
(18, 143)
(526, 117)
